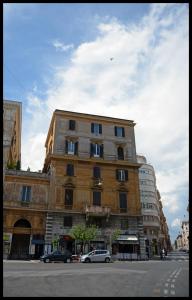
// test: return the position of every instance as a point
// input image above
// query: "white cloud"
(61, 47)
(176, 223)
(147, 81)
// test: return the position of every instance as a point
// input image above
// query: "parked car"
(57, 256)
(96, 256)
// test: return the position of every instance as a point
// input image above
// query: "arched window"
(22, 223)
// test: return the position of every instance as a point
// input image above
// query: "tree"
(115, 234)
(11, 165)
(84, 233)
(18, 165)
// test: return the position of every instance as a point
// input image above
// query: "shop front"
(126, 247)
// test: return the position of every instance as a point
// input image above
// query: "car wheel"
(47, 260)
(107, 260)
(87, 260)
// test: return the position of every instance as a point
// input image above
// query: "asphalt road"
(118, 279)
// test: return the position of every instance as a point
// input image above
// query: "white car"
(96, 256)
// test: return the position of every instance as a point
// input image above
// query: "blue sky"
(57, 56)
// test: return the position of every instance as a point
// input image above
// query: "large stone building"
(154, 222)
(93, 179)
(90, 176)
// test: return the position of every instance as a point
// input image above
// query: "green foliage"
(84, 233)
(18, 165)
(115, 234)
(11, 165)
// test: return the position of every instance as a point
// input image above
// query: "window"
(119, 131)
(71, 124)
(123, 201)
(96, 150)
(97, 198)
(120, 153)
(96, 172)
(67, 222)
(71, 147)
(26, 194)
(121, 175)
(124, 224)
(96, 128)
(70, 169)
(68, 198)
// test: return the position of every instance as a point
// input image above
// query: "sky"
(58, 56)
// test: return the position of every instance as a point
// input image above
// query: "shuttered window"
(121, 175)
(97, 198)
(96, 128)
(71, 147)
(123, 201)
(119, 131)
(96, 150)
(72, 124)
(68, 198)
(96, 172)
(26, 194)
(70, 169)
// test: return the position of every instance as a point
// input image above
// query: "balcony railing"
(94, 210)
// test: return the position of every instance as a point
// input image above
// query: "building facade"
(93, 172)
(12, 112)
(185, 234)
(154, 223)
(24, 213)
(164, 237)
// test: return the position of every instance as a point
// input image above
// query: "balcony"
(100, 211)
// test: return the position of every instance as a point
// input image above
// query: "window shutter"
(91, 149)
(117, 174)
(115, 130)
(92, 127)
(28, 194)
(70, 170)
(126, 175)
(66, 146)
(101, 150)
(100, 128)
(96, 172)
(123, 131)
(23, 193)
(76, 148)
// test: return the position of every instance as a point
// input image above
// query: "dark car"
(57, 256)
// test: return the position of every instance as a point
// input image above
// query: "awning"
(128, 239)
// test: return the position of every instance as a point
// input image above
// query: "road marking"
(173, 280)
(172, 285)
(172, 292)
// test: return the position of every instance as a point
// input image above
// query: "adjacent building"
(12, 112)
(25, 202)
(154, 222)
